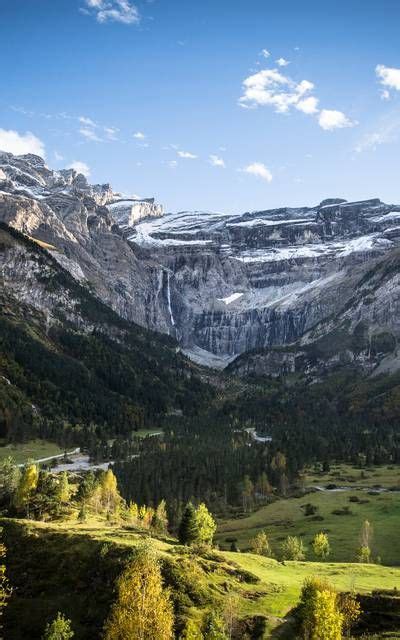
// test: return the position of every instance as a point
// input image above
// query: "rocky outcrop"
(221, 284)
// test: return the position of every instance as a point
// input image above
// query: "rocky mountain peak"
(222, 284)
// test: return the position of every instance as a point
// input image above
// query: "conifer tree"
(143, 609)
(188, 533)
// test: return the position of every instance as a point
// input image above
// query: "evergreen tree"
(59, 629)
(143, 609)
(188, 533)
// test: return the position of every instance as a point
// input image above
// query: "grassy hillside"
(340, 513)
(72, 567)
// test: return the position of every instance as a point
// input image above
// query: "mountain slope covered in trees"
(70, 368)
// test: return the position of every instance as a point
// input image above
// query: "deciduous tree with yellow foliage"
(26, 487)
(143, 609)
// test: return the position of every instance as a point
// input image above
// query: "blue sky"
(239, 105)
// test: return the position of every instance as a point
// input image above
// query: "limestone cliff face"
(222, 284)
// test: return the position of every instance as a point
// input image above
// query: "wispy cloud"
(21, 143)
(111, 133)
(112, 11)
(87, 121)
(386, 132)
(187, 155)
(89, 134)
(216, 161)
(265, 53)
(139, 135)
(271, 87)
(259, 170)
(80, 167)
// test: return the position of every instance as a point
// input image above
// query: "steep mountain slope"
(65, 356)
(363, 331)
(222, 285)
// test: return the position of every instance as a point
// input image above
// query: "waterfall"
(169, 300)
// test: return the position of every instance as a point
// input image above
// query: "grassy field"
(143, 433)
(287, 517)
(34, 449)
(74, 547)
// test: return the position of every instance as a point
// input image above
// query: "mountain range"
(268, 292)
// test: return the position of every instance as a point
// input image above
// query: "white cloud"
(385, 94)
(113, 11)
(172, 164)
(58, 157)
(308, 105)
(216, 161)
(187, 154)
(259, 170)
(265, 53)
(80, 167)
(330, 119)
(388, 76)
(139, 135)
(19, 144)
(89, 134)
(281, 62)
(271, 87)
